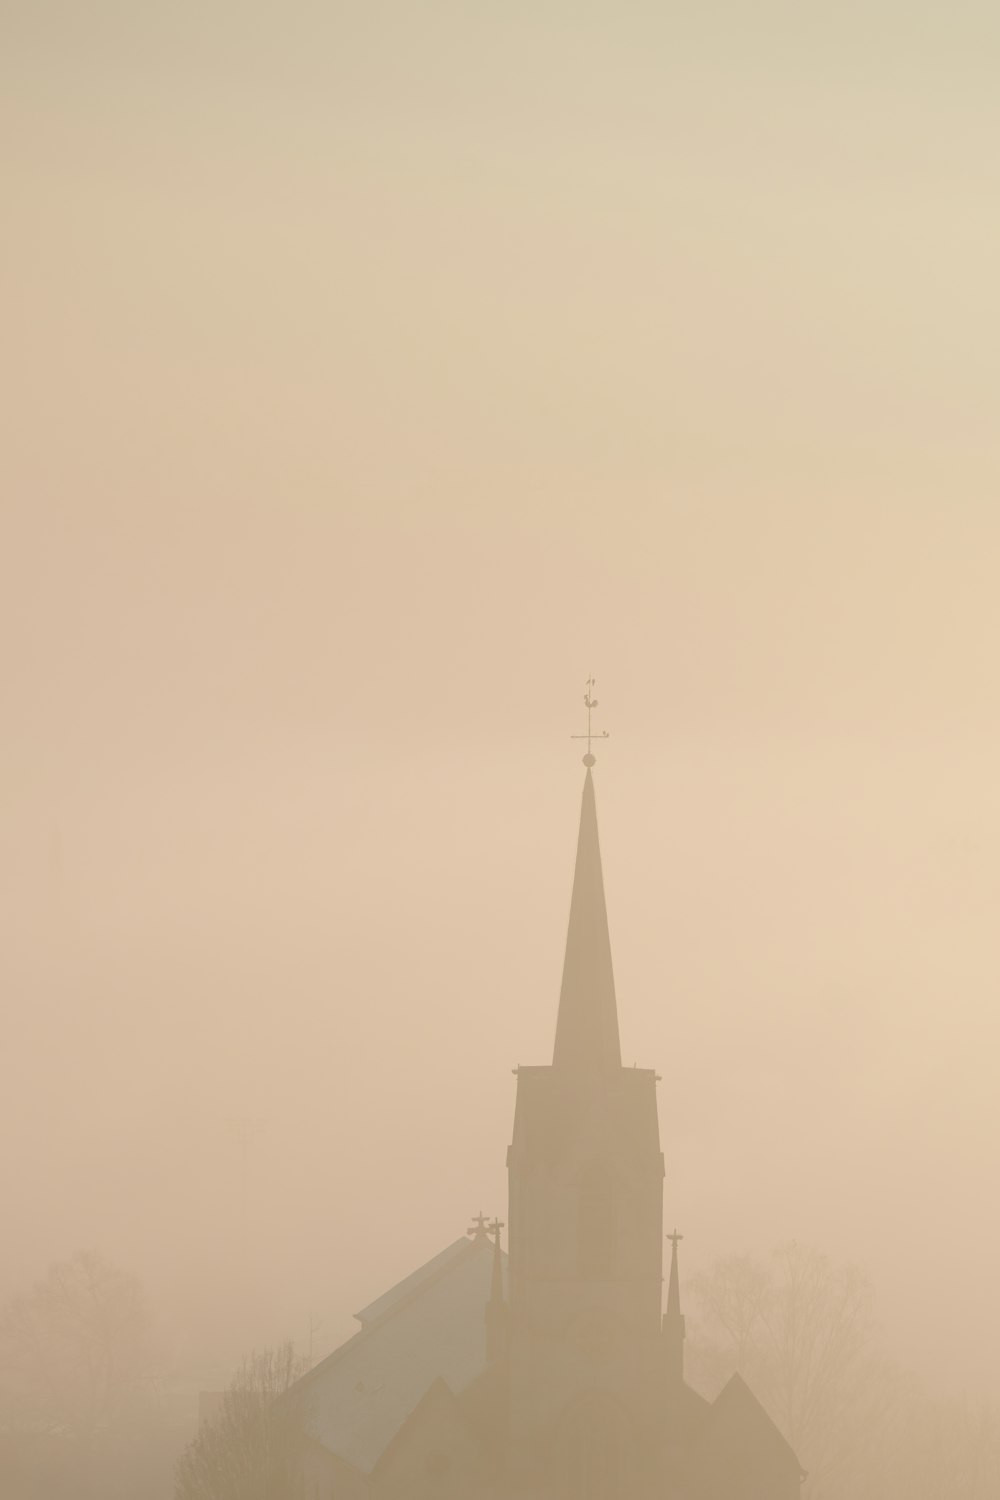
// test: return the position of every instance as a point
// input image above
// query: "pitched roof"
(430, 1325)
(737, 1419)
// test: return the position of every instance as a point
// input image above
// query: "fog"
(375, 373)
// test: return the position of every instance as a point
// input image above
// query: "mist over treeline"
(94, 1404)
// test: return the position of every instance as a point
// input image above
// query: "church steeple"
(587, 1025)
(586, 1198)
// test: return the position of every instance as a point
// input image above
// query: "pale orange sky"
(373, 373)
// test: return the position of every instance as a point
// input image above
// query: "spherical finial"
(590, 760)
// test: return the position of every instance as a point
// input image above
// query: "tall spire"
(587, 1028)
(673, 1318)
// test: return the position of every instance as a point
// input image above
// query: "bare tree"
(250, 1450)
(75, 1351)
(799, 1329)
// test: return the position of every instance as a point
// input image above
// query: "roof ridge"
(420, 1283)
(408, 1287)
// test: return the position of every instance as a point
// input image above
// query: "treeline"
(82, 1415)
(801, 1330)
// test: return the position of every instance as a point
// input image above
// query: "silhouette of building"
(548, 1373)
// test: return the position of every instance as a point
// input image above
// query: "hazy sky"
(373, 373)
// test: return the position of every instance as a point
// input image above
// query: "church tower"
(585, 1237)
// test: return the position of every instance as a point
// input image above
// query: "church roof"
(429, 1326)
(739, 1433)
(411, 1285)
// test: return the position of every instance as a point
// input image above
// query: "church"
(551, 1371)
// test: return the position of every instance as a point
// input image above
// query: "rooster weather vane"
(590, 702)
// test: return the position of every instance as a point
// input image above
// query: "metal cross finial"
(673, 1238)
(480, 1226)
(591, 703)
(495, 1229)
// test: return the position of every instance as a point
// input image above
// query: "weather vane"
(591, 703)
